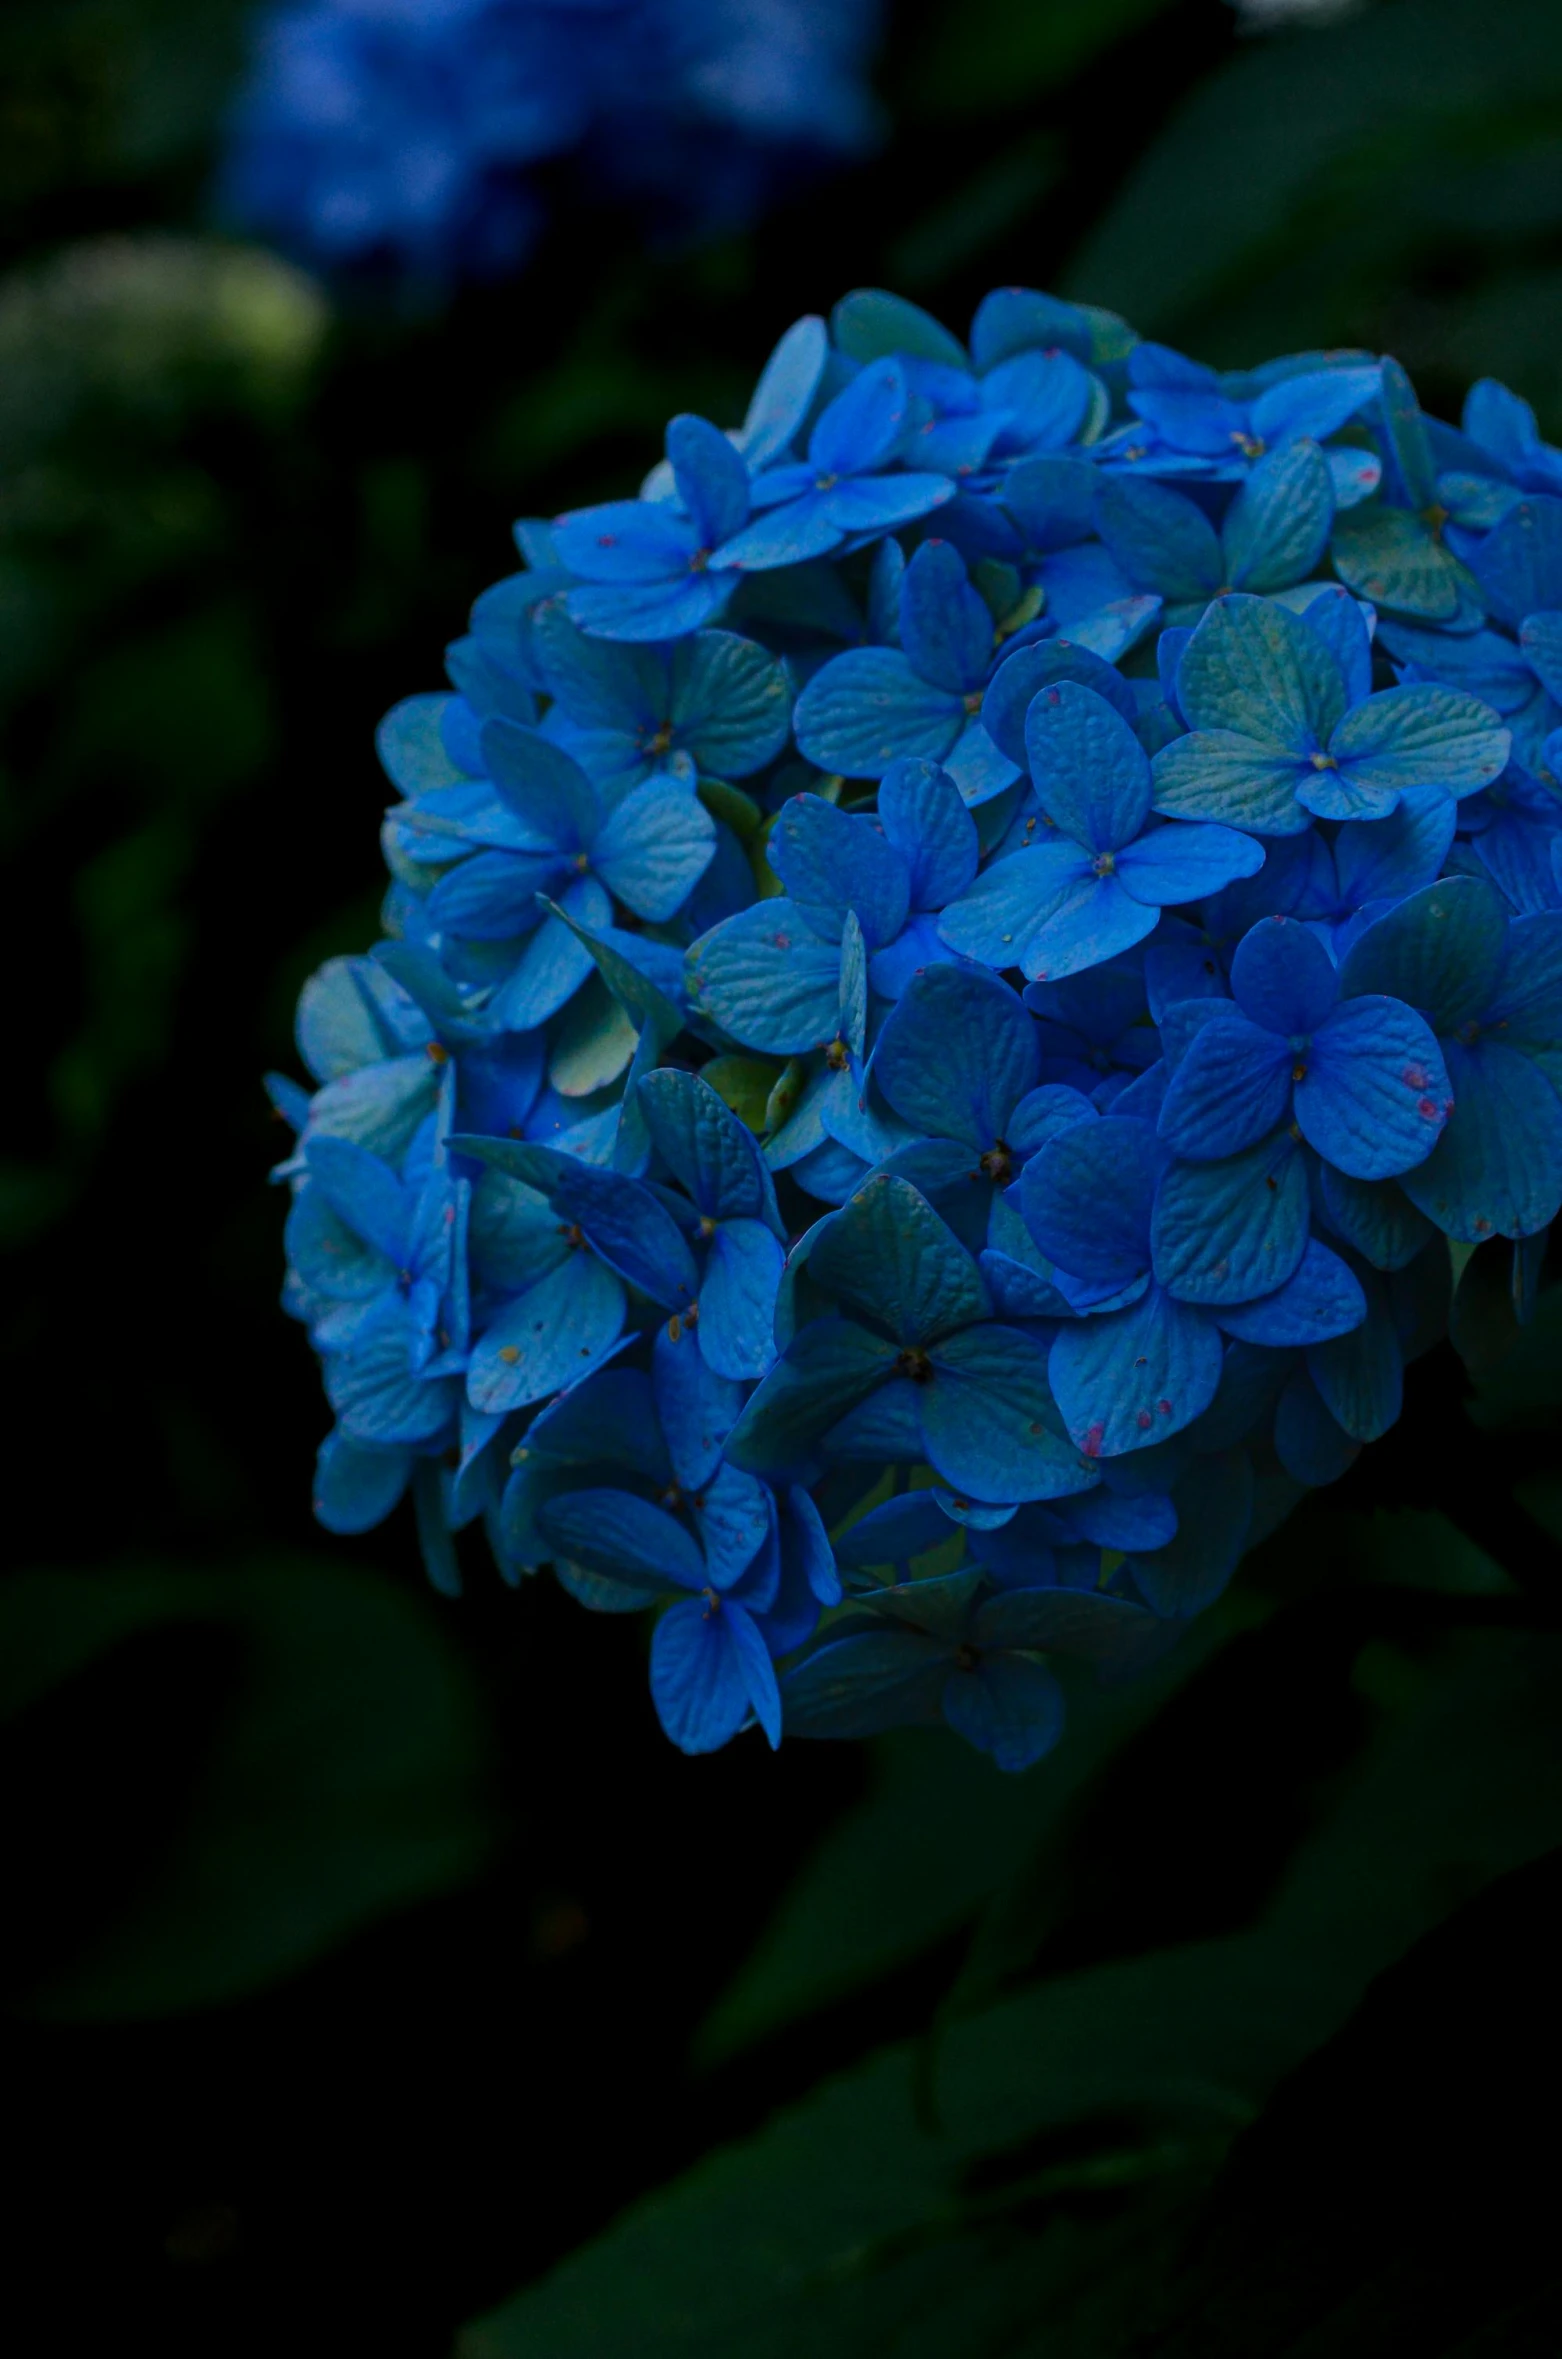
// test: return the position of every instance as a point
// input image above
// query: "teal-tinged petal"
(865, 1682)
(1277, 527)
(1006, 1706)
(1217, 775)
(1214, 1501)
(738, 1299)
(956, 1056)
(728, 704)
(869, 707)
(1375, 1218)
(1255, 668)
(1391, 557)
(654, 848)
(1228, 1231)
(1412, 737)
(827, 1368)
(548, 1337)
(1360, 1376)
(988, 1419)
(1441, 951)
(767, 979)
(888, 1257)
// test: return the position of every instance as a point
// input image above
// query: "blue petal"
(375, 1389)
(1360, 1375)
(1386, 859)
(1226, 1232)
(868, 708)
(1231, 1089)
(554, 963)
(709, 1669)
(655, 847)
(696, 1407)
(366, 1194)
(945, 626)
(1321, 1299)
(650, 611)
(861, 426)
(1087, 1199)
(1214, 1512)
(1497, 1170)
(1046, 911)
(1315, 404)
(768, 980)
(1255, 668)
(988, 1420)
(831, 861)
(734, 1516)
(548, 1337)
(1282, 977)
(1007, 1707)
(895, 1532)
(924, 817)
(541, 786)
(631, 1229)
(1519, 564)
(728, 703)
(887, 1256)
(1309, 1443)
(710, 1153)
(1183, 862)
(627, 541)
(1339, 621)
(785, 392)
(1374, 1217)
(792, 532)
(623, 1537)
(1020, 678)
(712, 479)
(1126, 1379)
(1162, 540)
(1375, 1093)
(356, 1487)
(1090, 772)
(738, 1299)
(956, 1056)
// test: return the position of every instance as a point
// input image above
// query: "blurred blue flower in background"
(404, 135)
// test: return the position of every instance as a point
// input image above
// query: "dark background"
(354, 1942)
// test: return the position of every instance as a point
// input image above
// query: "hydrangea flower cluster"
(409, 133)
(953, 972)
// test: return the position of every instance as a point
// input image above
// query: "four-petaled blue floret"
(953, 973)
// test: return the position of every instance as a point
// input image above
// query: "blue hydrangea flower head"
(404, 134)
(947, 990)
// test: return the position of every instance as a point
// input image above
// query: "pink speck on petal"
(1164, 1407)
(1145, 1420)
(1095, 1435)
(1416, 1076)
(783, 941)
(1429, 1109)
